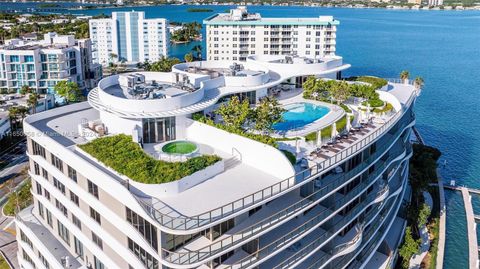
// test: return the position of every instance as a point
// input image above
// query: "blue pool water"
(299, 115)
(441, 46)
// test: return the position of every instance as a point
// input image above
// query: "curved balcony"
(217, 248)
(215, 216)
(322, 240)
(372, 230)
(315, 222)
(350, 245)
(382, 192)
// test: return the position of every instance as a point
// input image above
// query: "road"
(10, 178)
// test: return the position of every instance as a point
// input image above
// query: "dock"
(473, 249)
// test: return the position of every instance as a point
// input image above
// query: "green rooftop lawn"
(123, 155)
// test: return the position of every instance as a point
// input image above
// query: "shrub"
(373, 103)
(376, 82)
(327, 131)
(126, 157)
(265, 139)
(348, 110)
(290, 156)
(388, 107)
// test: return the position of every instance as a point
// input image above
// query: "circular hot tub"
(180, 148)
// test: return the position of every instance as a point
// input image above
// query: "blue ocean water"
(441, 46)
(300, 114)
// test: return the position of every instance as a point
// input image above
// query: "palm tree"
(197, 50)
(32, 101)
(188, 57)
(404, 76)
(419, 82)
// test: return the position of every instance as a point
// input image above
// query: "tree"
(68, 90)
(234, 113)
(423, 215)
(25, 90)
(163, 65)
(267, 113)
(197, 52)
(409, 247)
(404, 75)
(188, 57)
(112, 57)
(418, 82)
(16, 115)
(340, 92)
(32, 101)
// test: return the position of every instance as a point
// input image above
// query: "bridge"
(473, 248)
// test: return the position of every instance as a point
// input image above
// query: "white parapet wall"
(255, 154)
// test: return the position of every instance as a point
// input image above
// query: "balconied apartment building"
(129, 37)
(42, 64)
(338, 208)
(235, 35)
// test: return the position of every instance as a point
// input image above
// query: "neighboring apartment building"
(434, 3)
(42, 64)
(129, 37)
(334, 208)
(234, 35)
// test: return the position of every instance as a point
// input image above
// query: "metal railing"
(337, 182)
(324, 260)
(314, 223)
(268, 193)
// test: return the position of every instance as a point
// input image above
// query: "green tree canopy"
(68, 90)
(409, 247)
(267, 113)
(188, 57)
(423, 215)
(234, 113)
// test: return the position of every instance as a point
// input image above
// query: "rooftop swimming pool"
(298, 115)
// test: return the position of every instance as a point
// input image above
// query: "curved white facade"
(252, 209)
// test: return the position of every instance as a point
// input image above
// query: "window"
(44, 174)
(93, 188)
(44, 261)
(97, 240)
(61, 207)
(63, 232)
(148, 260)
(74, 198)
(148, 231)
(36, 168)
(27, 258)
(25, 239)
(49, 217)
(39, 188)
(98, 263)
(40, 209)
(47, 194)
(59, 185)
(77, 222)
(95, 215)
(57, 162)
(72, 173)
(78, 247)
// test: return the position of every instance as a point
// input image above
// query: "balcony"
(275, 214)
(214, 216)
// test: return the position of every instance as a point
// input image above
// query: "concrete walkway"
(442, 224)
(416, 260)
(471, 229)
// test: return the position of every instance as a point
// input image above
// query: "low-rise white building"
(234, 35)
(129, 37)
(42, 64)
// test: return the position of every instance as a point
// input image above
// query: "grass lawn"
(123, 155)
(22, 196)
(179, 147)
(3, 263)
(327, 132)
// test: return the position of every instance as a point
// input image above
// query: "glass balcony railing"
(216, 215)
(275, 220)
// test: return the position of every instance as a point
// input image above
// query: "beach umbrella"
(334, 130)
(319, 138)
(297, 147)
(348, 126)
(368, 111)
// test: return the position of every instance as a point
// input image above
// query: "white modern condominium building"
(42, 64)
(98, 203)
(129, 37)
(234, 35)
